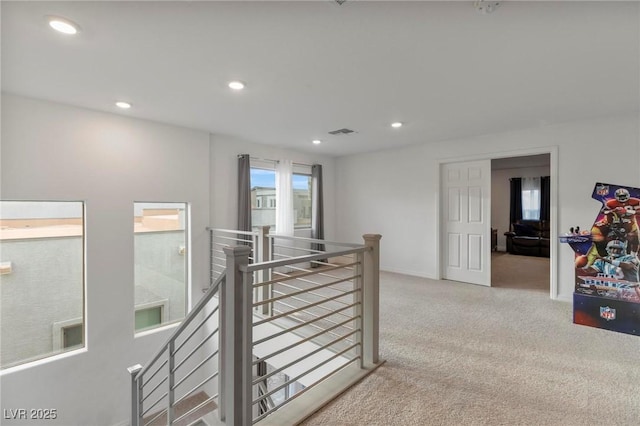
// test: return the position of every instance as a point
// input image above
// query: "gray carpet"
(460, 354)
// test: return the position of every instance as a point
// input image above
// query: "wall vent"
(341, 132)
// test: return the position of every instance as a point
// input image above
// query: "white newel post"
(135, 395)
(236, 299)
(264, 255)
(371, 298)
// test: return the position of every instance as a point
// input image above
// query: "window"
(160, 259)
(72, 336)
(302, 200)
(67, 334)
(531, 198)
(263, 196)
(148, 318)
(42, 283)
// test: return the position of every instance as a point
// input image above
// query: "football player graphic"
(618, 223)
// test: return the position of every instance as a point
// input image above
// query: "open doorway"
(521, 232)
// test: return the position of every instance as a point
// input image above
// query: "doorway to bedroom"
(521, 222)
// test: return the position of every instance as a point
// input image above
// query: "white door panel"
(454, 205)
(475, 253)
(453, 260)
(466, 225)
(475, 204)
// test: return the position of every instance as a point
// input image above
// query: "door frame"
(553, 173)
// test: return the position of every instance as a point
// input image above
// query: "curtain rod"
(276, 161)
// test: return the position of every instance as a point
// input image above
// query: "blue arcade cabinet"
(607, 281)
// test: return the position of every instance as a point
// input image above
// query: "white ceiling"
(444, 69)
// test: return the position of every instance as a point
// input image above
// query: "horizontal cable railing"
(221, 238)
(314, 326)
(314, 241)
(281, 315)
(296, 290)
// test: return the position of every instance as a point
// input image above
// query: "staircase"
(281, 330)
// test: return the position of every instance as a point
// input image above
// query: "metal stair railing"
(300, 329)
(329, 324)
(221, 238)
(272, 327)
(326, 305)
(161, 388)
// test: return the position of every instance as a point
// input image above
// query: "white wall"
(224, 178)
(395, 193)
(57, 152)
(501, 195)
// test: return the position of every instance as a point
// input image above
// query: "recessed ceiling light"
(316, 141)
(396, 124)
(63, 25)
(236, 85)
(123, 105)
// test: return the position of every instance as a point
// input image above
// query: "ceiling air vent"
(341, 132)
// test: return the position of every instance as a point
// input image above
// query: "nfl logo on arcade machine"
(602, 190)
(607, 313)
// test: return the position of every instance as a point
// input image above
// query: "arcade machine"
(607, 283)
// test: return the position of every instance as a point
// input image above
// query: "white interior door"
(466, 223)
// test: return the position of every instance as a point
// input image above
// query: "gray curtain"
(317, 208)
(545, 198)
(244, 194)
(515, 211)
